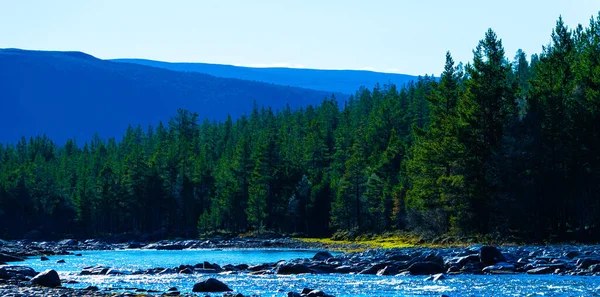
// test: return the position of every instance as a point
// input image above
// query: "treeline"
(494, 147)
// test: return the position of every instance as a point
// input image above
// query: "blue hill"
(73, 94)
(340, 81)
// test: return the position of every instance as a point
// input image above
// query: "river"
(278, 285)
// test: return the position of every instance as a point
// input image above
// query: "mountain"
(73, 94)
(340, 81)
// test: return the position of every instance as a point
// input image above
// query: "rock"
(19, 272)
(373, 269)
(94, 270)
(259, 267)
(91, 288)
(211, 285)
(114, 272)
(186, 271)
(60, 261)
(166, 271)
(291, 268)
(439, 277)
(44, 258)
(594, 268)
(489, 255)
(499, 268)
(48, 278)
(388, 270)
(572, 254)
(462, 261)
(170, 247)
(306, 291)
(585, 263)
(315, 293)
(322, 256)
(135, 245)
(424, 268)
(399, 257)
(294, 294)
(172, 289)
(10, 258)
(541, 270)
(68, 242)
(78, 255)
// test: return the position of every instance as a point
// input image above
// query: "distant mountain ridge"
(73, 94)
(337, 81)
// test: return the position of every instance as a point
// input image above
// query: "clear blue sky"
(383, 35)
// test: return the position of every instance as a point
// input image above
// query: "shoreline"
(436, 263)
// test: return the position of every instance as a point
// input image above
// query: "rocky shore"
(435, 263)
(19, 249)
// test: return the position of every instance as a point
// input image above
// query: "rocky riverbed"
(436, 264)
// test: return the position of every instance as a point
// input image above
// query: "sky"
(397, 36)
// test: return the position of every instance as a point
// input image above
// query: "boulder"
(462, 261)
(291, 268)
(585, 263)
(399, 257)
(114, 272)
(436, 277)
(425, 268)
(10, 258)
(68, 242)
(489, 255)
(44, 258)
(20, 272)
(60, 261)
(48, 278)
(541, 270)
(572, 254)
(594, 268)
(322, 256)
(315, 293)
(499, 268)
(388, 270)
(211, 285)
(373, 269)
(94, 270)
(91, 288)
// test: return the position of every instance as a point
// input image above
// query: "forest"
(497, 147)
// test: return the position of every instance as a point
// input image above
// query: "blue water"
(274, 285)
(132, 260)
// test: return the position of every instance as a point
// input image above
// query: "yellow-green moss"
(383, 241)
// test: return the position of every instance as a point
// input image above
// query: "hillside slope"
(72, 94)
(340, 81)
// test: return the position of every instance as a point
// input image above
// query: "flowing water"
(275, 285)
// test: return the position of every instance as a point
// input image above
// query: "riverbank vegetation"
(496, 147)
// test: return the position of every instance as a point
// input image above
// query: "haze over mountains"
(73, 94)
